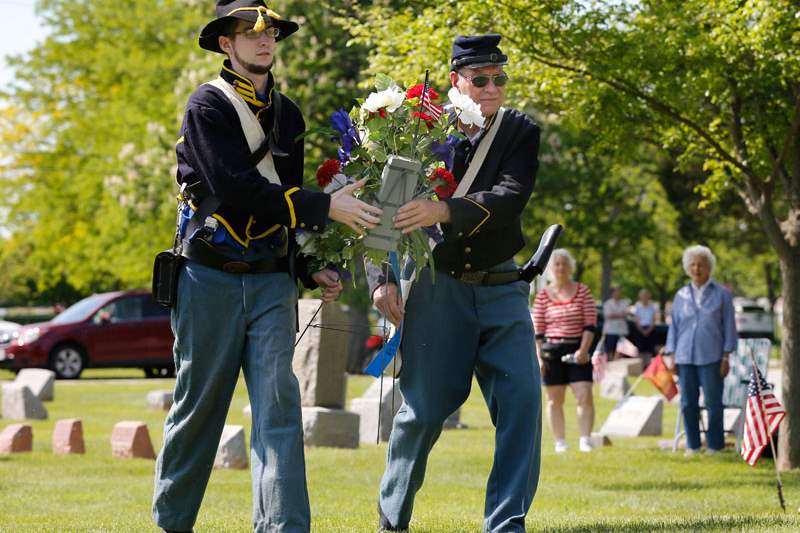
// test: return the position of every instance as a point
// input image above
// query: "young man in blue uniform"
(474, 318)
(237, 293)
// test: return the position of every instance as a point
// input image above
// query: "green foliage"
(88, 160)
(710, 86)
(87, 153)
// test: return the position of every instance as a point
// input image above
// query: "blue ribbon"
(384, 357)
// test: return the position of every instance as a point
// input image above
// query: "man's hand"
(581, 357)
(387, 300)
(419, 214)
(328, 281)
(724, 366)
(352, 211)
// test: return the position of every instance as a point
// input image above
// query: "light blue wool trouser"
(451, 331)
(692, 378)
(223, 322)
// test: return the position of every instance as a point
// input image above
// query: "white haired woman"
(701, 337)
(565, 320)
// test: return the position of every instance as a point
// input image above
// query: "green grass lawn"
(631, 486)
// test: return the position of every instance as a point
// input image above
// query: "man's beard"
(251, 67)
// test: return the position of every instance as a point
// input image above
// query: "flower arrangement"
(390, 121)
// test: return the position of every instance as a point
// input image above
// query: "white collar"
(703, 286)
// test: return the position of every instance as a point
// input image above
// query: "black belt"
(489, 278)
(203, 253)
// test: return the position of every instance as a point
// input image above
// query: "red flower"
(327, 171)
(447, 182)
(381, 113)
(416, 92)
(424, 116)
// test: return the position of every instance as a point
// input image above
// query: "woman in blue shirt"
(701, 336)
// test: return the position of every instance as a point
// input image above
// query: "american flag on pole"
(763, 414)
(433, 110)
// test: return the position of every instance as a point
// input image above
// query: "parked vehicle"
(7, 332)
(116, 329)
(753, 320)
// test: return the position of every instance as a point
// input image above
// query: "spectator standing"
(614, 324)
(701, 337)
(565, 321)
(645, 317)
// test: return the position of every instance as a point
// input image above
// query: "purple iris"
(446, 151)
(344, 273)
(340, 121)
(348, 136)
(434, 233)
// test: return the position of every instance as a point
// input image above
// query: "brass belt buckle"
(236, 267)
(473, 278)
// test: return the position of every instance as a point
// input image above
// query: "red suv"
(114, 329)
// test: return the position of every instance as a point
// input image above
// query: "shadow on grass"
(739, 523)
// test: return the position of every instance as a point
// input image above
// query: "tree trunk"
(607, 269)
(789, 442)
(769, 276)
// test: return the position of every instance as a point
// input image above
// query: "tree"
(88, 133)
(88, 193)
(717, 81)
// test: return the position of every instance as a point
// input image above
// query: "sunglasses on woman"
(482, 80)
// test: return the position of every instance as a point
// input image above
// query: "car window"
(150, 309)
(79, 311)
(120, 310)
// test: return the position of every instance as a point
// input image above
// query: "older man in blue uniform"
(474, 319)
(241, 171)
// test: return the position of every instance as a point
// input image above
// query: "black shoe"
(176, 531)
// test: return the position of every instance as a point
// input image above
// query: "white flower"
(390, 98)
(305, 240)
(469, 112)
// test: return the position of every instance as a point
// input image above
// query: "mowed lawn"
(631, 486)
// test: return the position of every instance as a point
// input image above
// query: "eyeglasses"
(253, 35)
(482, 80)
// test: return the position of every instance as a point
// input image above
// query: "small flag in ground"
(660, 376)
(433, 110)
(763, 414)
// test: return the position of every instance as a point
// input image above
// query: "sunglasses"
(253, 35)
(482, 80)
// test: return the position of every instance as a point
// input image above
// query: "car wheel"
(67, 361)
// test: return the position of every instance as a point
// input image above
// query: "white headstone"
(39, 380)
(624, 365)
(232, 450)
(614, 386)
(159, 399)
(19, 403)
(366, 407)
(637, 416)
(335, 428)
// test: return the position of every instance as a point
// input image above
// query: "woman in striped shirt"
(565, 319)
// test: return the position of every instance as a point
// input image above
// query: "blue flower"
(445, 152)
(340, 121)
(348, 136)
